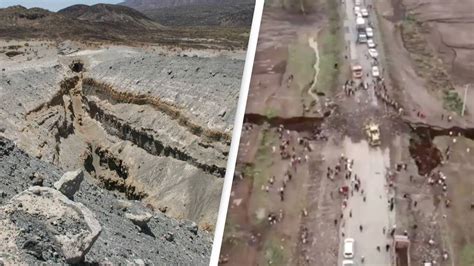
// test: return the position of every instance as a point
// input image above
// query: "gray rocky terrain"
(39, 223)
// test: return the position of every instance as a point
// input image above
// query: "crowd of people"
(344, 168)
(297, 153)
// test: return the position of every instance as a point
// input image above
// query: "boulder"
(139, 262)
(169, 236)
(139, 219)
(43, 223)
(37, 180)
(70, 183)
(193, 228)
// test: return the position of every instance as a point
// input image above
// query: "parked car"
(373, 53)
(361, 38)
(364, 12)
(357, 10)
(349, 248)
(348, 263)
(370, 32)
(375, 71)
(357, 2)
(371, 43)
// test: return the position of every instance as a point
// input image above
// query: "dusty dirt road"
(367, 212)
(368, 208)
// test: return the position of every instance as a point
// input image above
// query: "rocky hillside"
(223, 13)
(98, 22)
(226, 15)
(50, 217)
(114, 14)
(110, 23)
(143, 5)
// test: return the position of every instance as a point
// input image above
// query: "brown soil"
(248, 240)
(270, 80)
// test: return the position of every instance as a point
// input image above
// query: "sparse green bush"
(452, 101)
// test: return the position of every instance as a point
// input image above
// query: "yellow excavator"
(373, 133)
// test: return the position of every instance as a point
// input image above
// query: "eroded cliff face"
(154, 128)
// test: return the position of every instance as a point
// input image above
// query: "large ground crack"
(105, 91)
(111, 172)
(422, 149)
(65, 87)
(146, 141)
(296, 123)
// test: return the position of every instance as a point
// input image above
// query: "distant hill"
(102, 22)
(110, 23)
(103, 13)
(225, 13)
(143, 5)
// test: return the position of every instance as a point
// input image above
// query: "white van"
(349, 248)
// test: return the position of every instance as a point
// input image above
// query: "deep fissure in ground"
(110, 171)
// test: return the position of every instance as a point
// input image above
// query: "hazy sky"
(53, 5)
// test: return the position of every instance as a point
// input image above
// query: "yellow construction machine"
(373, 133)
